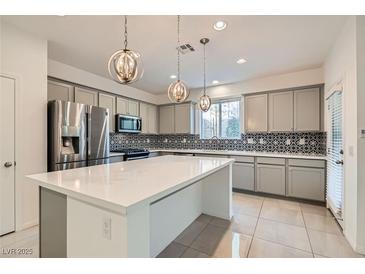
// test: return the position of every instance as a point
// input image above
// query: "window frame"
(220, 102)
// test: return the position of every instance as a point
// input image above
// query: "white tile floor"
(261, 227)
(264, 228)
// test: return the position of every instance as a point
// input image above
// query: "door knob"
(339, 162)
(8, 164)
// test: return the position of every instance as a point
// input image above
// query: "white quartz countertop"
(244, 153)
(124, 185)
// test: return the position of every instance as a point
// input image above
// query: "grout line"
(254, 232)
(196, 237)
(306, 231)
(285, 245)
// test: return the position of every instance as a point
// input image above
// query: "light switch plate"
(362, 133)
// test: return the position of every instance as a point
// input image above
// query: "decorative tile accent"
(298, 142)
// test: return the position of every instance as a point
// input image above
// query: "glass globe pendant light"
(178, 92)
(204, 101)
(125, 65)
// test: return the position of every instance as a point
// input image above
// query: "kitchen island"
(129, 209)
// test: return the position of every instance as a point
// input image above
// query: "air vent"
(185, 48)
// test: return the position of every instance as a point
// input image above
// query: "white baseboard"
(361, 250)
(28, 224)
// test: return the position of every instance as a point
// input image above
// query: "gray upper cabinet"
(86, 96)
(256, 113)
(148, 113)
(133, 107)
(108, 101)
(143, 113)
(307, 110)
(177, 119)
(122, 105)
(284, 111)
(152, 119)
(281, 111)
(60, 91)
(126, 106)
(167, 119)
(184, 118)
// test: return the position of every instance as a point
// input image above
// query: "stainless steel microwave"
(128, 123)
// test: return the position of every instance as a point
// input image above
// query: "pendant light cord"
(125, 32)
(178, 51)
(204, 72)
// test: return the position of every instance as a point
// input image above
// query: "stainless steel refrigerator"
(78, 135)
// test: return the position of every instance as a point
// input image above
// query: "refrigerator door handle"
(88, 126)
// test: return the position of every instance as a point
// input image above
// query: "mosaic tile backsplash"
(298, 143)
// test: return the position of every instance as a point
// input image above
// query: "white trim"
(16, 91)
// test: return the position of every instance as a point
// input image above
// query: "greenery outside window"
(222, 120)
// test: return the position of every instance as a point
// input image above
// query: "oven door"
(126, 123)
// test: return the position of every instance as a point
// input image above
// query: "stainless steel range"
(133, 153)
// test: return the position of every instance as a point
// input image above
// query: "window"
(222, 120)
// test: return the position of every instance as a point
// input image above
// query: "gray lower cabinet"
(306, 182)
(270, 179)
(243, 176)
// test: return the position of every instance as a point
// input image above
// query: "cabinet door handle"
(339, 162)
(8, 164)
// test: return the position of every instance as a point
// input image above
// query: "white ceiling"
(270, 44)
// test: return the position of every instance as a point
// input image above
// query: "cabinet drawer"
(243, 159)
(271, 179)
(270, 161)
(243, 176)
(307, 183)
(307, 163)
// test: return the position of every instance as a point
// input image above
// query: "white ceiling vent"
(185, 48)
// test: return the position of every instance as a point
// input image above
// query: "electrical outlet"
(250, 141)
(288, 142)
(107, 228)
(302, 141)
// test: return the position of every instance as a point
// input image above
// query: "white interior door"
(7, 157)
(335, 181)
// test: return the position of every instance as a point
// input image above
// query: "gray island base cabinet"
(134, 217)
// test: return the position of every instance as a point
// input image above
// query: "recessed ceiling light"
(173, 76)
(241, 61)
(220, 25)
(214, 82)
